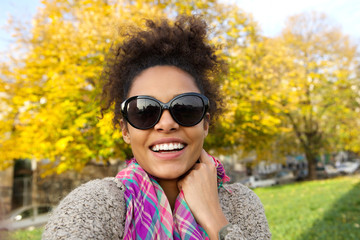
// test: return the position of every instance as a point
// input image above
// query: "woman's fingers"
(205, 158)
(201, 194)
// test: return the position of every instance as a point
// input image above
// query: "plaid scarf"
(148, 211)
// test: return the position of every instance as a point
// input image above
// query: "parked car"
(285, 176)
(257, 181)
(26, 217)
(331, 171)
(348, 167)
(301, 174)
(321, 172)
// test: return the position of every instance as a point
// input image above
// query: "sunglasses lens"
(143, 113)
(188, 110)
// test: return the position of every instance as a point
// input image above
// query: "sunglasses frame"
(165, 106)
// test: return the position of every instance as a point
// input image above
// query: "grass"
(317, 210)
(324, 209)
(34, 234)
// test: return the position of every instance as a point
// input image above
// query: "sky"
(270, 14)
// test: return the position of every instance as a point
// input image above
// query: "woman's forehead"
(163, 82)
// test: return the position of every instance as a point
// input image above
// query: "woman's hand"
(201, 194)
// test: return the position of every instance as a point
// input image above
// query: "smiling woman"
(158, 81)
(166, 164)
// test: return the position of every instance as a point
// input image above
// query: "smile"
(164, 147)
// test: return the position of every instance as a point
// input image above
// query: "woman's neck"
(171, 191)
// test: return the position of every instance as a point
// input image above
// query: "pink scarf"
(148, 212)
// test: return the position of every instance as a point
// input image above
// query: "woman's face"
(164, 83)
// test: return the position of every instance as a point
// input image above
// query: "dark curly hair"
(182, 44)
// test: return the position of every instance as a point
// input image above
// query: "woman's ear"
(206, 124)
(125, 131)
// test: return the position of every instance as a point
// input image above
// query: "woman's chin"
(168, 177)
(169, 174)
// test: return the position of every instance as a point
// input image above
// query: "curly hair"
(182, 44)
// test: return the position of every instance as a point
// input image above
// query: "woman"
(158, 81)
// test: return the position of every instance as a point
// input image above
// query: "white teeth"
(167, 147)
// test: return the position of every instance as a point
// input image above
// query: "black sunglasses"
(144, 112)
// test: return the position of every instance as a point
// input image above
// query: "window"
(44, 209)
(25, 214)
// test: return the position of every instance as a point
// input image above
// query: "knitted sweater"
(96, 210)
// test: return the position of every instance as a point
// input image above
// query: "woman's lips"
(168, 155)
(168, 148)
(167, 143)
(164, 147)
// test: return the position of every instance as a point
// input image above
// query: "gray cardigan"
(96, 210)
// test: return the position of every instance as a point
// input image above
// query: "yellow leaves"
(105, 125)
(62, 167)
(279, 77)
(256, 117)
(52, 117)
(62, 143)
(51, 109)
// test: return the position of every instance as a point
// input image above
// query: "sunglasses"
(144, 112)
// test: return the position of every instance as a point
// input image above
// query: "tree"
(51, 106)
(313, 69)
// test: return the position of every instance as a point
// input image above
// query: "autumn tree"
(312, 70)
(50, 86)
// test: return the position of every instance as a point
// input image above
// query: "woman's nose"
(166, 122)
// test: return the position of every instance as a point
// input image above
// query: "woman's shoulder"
(108, 191)
(109, 185)
(238, 191)
(241, 197)
(97, 206)
(244, 210)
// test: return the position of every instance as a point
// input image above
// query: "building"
(21, 184)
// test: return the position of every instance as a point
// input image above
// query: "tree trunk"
(311, 159)
(34, 190)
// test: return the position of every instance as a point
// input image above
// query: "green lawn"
(25, 235)
(324, 209)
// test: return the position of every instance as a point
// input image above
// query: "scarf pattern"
(148, 211)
